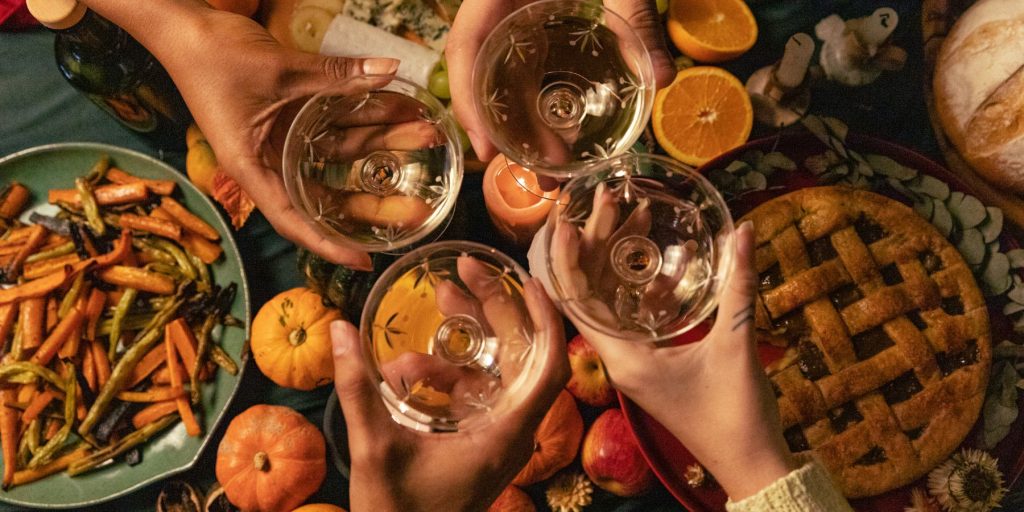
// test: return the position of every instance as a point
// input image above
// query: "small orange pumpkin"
(513, 499)
(556, 442)
(291, 339)
(319, 507)
(271, 459)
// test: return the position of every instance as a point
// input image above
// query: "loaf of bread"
(979, 90)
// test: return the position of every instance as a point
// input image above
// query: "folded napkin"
(15, 16)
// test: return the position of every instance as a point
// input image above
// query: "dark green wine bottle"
(116, 72)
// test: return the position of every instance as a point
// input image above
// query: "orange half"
(704, 113)
(711, 30)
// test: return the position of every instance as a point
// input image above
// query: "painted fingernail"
(380, 66)
(341, 338)
(745, 226)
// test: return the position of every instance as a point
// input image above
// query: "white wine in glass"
(562, 84)
(448, 335)
(374, 163)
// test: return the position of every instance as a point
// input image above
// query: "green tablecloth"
(38, 107)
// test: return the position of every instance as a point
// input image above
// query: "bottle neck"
(92, 30)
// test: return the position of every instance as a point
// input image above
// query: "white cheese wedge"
(346, 37)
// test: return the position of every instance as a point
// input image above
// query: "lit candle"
(517, 204)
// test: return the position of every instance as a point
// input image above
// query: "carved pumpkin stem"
(261, 462)
(297, 337)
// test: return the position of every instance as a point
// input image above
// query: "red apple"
(512, 499)
(612, 459)
(589, 382)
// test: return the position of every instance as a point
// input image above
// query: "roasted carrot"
(184, 406)
(35, 288)
(52, 308)
(151, 224)
(37, 405)
(143, 280)
(206, 250)
(153, 394)
(57, 338)
(154, 412)
(55, 466)
(189, 220)
(32, 320)
(8, 317)
(162, 375)
(35, 241)
(153, 359)
(41, 268)
(8, 434)
(88, 367)
(13, 248)
(26, 393)
(184, 341)
(16, 235)
(93, 312)
(14, 200)
(52, 427)
(160, 187)
(99, 358)
(105, 195)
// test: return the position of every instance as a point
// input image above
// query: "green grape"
(662, 6)
(438, 85)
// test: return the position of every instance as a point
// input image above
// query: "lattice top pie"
(887, 333)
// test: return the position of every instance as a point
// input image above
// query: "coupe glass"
(375, 163)
(448, 336)
(560, 84)
(641, 249)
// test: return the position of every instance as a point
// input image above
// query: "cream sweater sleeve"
(808, 489)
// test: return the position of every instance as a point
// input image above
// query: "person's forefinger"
(472, 25)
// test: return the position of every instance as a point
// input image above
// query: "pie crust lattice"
(888, 335)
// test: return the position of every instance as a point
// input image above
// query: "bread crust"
(979, 90)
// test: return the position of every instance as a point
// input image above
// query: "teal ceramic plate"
(56, 166)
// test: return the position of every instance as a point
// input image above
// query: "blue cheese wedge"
(395, 15)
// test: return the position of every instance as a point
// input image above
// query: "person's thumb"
(736, 309)
(360, 402)
(315, 73)
(642, 16)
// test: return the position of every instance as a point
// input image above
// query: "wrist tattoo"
(743, 317)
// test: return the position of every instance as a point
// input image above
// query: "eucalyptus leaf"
(1016, 258)
(864, 169)
(1012, 308)
(1000, 409)
(1007, 349)
(817, 127)
(736, 166)
(1016, 294)
(722, 179)
(888, 167)
(941, 218)
(778, 160)
(954, 199)
(837, 127)
(993, 225)
(754, 180)
(969, 212)
(972, 247)
(997, 273)
(925, 208)
(752, 157)
(931, 186)
(914, 197)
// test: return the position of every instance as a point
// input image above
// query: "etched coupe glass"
(560, 85)
(448, 335)
(639, 250)
(374, 163)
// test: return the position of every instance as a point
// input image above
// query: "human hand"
(477, 18)
(712, 395)
(398, 469)
(243, 88)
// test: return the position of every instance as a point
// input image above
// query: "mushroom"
(780, 93)
(855, 52)
(179, 496)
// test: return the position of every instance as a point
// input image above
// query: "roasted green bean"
(89, 207)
